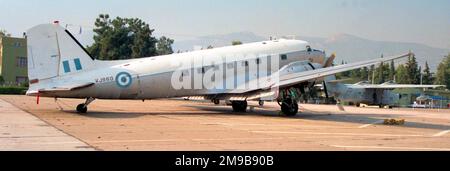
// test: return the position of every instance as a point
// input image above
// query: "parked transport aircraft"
(60, 67)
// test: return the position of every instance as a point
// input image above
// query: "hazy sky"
(420, 21)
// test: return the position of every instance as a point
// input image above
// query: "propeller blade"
(325, 89)
(340, 106)
(329, 61)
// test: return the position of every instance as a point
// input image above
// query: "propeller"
(325, 90)
(339, 105)
(329, 63)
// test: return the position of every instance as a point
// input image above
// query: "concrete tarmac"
(20, 130)
(192, 125)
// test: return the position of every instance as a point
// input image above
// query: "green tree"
(412, 68)
(379, 76)
(3, 33)
(164, 46)
(124, 38)
(356, 73)
(391, 71)
(364, 73)
(343, 75)
(427, 76)
(401, 75)
(443, 72)
(381, 73)
(236, 42)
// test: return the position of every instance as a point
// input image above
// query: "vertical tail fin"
(53, 52)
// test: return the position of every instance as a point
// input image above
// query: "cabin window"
(283, 57)
(185, 73)
(216, 67)
(244, 63)
(230, 65)
(201, 70)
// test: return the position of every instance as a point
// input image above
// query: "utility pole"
(421, 78)
(373, 75)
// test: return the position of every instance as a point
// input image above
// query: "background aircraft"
(368, 94)
(60, 67)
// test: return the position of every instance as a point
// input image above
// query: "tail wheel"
(81, 108)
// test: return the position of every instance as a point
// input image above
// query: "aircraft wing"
(67, 87)
(295, 78)
(394, 86)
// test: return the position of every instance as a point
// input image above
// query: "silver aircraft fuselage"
(151, 76)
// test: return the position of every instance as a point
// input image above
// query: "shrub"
(13, 90)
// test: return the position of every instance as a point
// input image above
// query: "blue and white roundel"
(123, 79)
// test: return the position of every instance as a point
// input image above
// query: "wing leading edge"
(299, 77)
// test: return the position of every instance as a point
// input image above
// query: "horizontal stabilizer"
(69, 87)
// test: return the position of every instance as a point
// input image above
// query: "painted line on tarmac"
(234, 124)
(441, 133)
(233, 139)
(393, 148)
(373, 123)
(331, 133)
(39, 143)
(261, 124)
(131, 141)
(195, 139)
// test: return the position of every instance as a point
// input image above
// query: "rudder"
(54, 52)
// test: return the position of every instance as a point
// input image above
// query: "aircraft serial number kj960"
(104, 79)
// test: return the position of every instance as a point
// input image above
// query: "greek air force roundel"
(123, 79)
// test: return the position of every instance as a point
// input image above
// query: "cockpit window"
(308, 48)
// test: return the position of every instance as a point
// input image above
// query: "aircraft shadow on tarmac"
(219, 110)
(122, 114)
(312, 115)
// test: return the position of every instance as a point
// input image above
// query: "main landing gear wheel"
(216, 101)
(82, 108)
(239, 106)
(289, 107)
